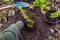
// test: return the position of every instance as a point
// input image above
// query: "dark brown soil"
(40, 30)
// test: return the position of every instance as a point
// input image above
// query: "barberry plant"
(30, 21)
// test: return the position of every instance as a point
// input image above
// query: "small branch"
(7, 7)
(57, 30)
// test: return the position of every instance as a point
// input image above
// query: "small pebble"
(52, 30)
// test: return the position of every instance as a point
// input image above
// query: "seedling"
(11, 13)
(55, 15)
(30, 21)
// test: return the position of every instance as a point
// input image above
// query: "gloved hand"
(20, 24)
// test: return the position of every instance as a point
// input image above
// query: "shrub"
(30, 21)
(42, 5)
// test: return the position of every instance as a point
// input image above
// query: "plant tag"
(22, 4)
(19, 4)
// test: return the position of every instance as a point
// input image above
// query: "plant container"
(49, 20)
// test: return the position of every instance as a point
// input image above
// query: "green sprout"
(30, 21)
(55, 15)
(11, 13)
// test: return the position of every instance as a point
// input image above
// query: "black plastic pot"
(47, 18)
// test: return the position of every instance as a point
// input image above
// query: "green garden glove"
(12, 32)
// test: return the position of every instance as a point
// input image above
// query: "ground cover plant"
(42, 4)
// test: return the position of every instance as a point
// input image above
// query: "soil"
(41, 30)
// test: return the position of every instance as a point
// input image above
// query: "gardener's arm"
(12, 32)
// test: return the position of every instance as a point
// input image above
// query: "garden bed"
(41, 30)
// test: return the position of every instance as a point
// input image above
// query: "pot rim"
(48, 20)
